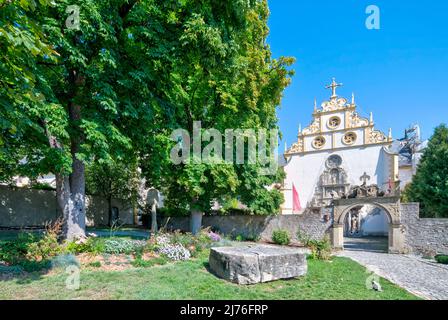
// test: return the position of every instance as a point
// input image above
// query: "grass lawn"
(339, 279)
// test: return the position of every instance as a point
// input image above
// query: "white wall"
(374, 221)
(304, 170)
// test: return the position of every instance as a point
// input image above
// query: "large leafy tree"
(96, 89)
(430, 184)
(221, 74)
(117, 86)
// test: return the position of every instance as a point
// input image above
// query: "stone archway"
(391, 205)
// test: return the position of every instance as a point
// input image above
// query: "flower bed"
(28, 253)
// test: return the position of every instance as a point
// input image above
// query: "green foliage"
(23, 46)
(123, 246)
(429, 186)
(441, 258)
(113, 90)
(29, 252)
(118, 180)
(281, 237)
(195, 244)
(222, 74)
(42, 186)
(15, 251)
(320, 249)
(45, 248)
(91, 245)
(252, 237)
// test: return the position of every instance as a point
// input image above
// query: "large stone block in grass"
(252, 264)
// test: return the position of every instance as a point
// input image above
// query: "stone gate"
(390, 204)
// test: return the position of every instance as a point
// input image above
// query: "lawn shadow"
(21, 276)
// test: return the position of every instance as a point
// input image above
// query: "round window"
(334, 161)
(334, 122)
(349, 138)
(319, 142)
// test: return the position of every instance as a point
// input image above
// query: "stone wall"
(423, 236)
(22, 207)
(260, 226)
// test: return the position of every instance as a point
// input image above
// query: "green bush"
(126, 246)
(281, 237)
(91, 245)
(45, 248)
(441, 258)
(320, 249)
(194, 244)
(14, 251)
(252, 237)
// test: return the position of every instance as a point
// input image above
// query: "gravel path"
(421, 277)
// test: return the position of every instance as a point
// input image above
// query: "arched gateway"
(390, 205)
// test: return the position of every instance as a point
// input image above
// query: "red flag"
(296, 207)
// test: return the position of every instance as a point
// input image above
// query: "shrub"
(441, 258)
(281, 237)
(91, 245)
(320, 249)
(249, 237)
(14, 251)
(118, 246)
(45, 248)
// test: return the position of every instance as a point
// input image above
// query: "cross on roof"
(333, 87)
(364, 178)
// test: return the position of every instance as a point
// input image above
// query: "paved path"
(421, 277)
(372, 244)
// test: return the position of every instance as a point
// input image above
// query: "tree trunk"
(70, 189)
(72, 207)
(195, 221)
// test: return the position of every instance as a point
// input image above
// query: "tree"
(95, 91)
(121, 81)
(430, 184)
(221, 74)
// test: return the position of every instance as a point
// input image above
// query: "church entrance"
(367, 224)
(366, 228)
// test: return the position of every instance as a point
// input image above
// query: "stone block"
(257, 263)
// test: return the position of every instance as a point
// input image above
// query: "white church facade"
(339, 150)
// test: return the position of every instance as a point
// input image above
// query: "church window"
(319, 142)
(334, 161)
(334, 122)
(349, 138)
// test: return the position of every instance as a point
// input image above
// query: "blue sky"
(400, 72)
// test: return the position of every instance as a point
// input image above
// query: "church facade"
(337, 152)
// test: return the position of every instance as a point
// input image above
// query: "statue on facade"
(354, 224)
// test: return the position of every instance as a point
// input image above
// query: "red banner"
(296, 207)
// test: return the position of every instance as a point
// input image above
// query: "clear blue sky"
(400, 72)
